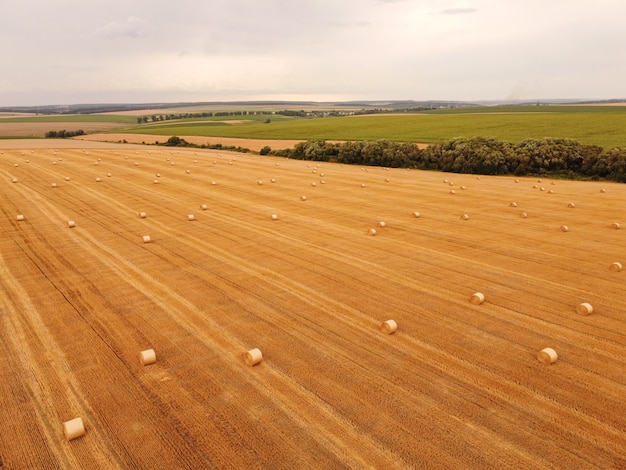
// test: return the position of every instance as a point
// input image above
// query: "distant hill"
(365, 104)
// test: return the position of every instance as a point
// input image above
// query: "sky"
(148, 51)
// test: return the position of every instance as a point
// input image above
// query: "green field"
(603, 126)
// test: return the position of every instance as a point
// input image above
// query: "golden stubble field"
(457, 385)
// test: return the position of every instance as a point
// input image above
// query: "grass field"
(598, 125)
(603, 129)
(457, 386)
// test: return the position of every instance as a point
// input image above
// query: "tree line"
(478, 155)
(63, 134)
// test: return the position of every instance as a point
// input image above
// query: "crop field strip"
(456, 385)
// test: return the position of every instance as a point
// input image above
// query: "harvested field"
(457, 385)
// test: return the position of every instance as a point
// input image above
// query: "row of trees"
(478, 155)
(63, 134)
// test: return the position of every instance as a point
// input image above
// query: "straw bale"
(147, 357)
(388, 327)
(547, 356)
(253, 357)
(73, 429)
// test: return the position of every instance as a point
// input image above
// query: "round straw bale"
(571, 205)
(538, 181)
(416, 215)
(14, 180)
(603, 190)
(191, 217)
(54, 185)
(158, 175)
(20, 217)
(156, 181)
(172, 163)
(445, 180)
(213, 183)
(452, 191)
(550, 192)
(616, 266)
(71, 224)
(136, 163)
(274, 217)
(372, 231)
(321, 175)
(362, 185)
(147, 239)
(253, 357)
(73, 428)
(313, 183)
(547, 356)
(564, 228)
(273, 180)
(584, 309)
(463, 187)
(187, 171)
(322, 181)
(451, 183)
(204, 207)
(517, 181)
(477, 298)
(542, 189)
(16, 165)
(109, 175)
(382, 224)
(523, 215)
(388, 327)
(142, 215)
(147, 357)
(513, 204)
(260, 182)
(615, 225)
(386, 180)
(98, 180)
(465, 217)
(303, 198)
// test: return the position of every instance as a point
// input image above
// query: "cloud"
(132, 27)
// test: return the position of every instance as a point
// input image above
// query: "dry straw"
(191, 217)
(14, 180)
(615, 225)
(523, 215)
(71, 224)
(513, 204)
(547, 356)
(147, 357)
(274, 216)
(416, 215)
(564, 228)
(452, 191)
(303, 197)
(477, 298)
(54, 185)
(20, 217)
(616, 266)
(253, 357)
(372, 231)
(584, 309)
(465, 217)
(571, 205)
(382, 224)
(142, 215)
(74, 428)
(147, 239)
(204, 207)
(388, 327)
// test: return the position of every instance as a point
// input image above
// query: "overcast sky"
(130, 51)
